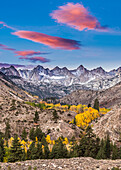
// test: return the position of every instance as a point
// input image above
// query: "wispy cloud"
(9, 49)
(78, 17)
(7, 26)
(5, 47)
(36, 59)
(8, 65)
(52, 41)
(28, 53)
(2, 46)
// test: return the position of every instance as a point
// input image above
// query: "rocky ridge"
(59, 82)
(107, 98)
(65, 164)
(109, 124)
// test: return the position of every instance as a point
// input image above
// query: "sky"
(61, 33)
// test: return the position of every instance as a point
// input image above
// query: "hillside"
(9, 90)
(111, 124)
(13, 107)
(107, 98)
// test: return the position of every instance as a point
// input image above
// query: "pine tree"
(89, 105)
(108, 148)
(32, 152)
(39, 151)
(74, 152)
(39, 134)
(46, 153)
(7, 131)
(59, 150)
(2, 150)
(115, 154)
(74, 120)
(24, 135)
(101, 153)
(120, 152)
(55, 116)
(32, 134)
(96, 104)
(36, 118)
(16, 152)
(89, 144)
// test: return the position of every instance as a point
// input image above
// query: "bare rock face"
(107, 98)
(65, 164)
(111, 124)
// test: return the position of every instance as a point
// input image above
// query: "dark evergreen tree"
(16, 152)
(96, 104)
(89, 105)
(36, 118)
(55, 115)
(59, 150)
(39, 134)
(73, 139)
(102, 152)
(89, 144)
(74, 120)
(32, 134)
(120, 152)
(74, 152)
(46, 153)
(108, 147)
(7, 131)
(115, 153)
(39, 151)
(24, 135)
(32, 152)
(2, 150)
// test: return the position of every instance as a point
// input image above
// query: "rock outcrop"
(107, 98)
(111, 124)
(65, 164)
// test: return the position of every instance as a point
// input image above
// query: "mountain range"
(59, 82)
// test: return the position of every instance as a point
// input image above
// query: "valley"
(65, 123)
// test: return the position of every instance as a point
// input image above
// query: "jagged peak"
(65, 68)
(57, 68)
(12, 67)
(98, 69)
(81, 66)
(39, 66)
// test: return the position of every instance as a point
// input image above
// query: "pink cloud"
(77, 16)
(9, 49)
(28, 53)
(7, 26)
(52, 41)
(35, 59)
(4, 47)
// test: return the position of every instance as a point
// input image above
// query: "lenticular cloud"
(52, 41)
(36, 59)
(28, 53)
(77, 16)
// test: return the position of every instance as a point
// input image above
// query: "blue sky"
(98, 48)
